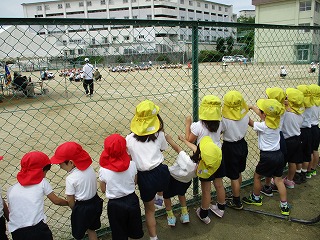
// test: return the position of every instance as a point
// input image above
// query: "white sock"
(159, 197)
(304, 170)
(154, 238)
(298, 171)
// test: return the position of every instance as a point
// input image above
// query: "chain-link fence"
(173, 63)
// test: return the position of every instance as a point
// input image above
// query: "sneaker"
(158, 203)
(214, 209)
(232, 204)
(172, 221)
(314, 172)
(184, 218)
(206, 220)
(229, 196)
(267, 190)
(288, 183)
(274, 188)
(303, 177)
(297, 178)
(285, 210)
(309, 174)
(252, 201)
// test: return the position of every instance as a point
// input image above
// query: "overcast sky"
(13, 8)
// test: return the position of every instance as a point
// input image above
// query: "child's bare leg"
(267, 181)
(256, 184)
(182, 200)
(92, 235)
(281, 188)
(235, 186)
(315, 159)
(167, 203)
(291, 171)
(221, 192)
(150, 218)
(206, 195)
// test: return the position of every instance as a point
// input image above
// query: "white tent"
(16, 42)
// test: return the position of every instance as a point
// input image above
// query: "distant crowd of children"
(287, 131)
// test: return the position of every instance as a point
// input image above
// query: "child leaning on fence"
(27, 220)
(271, 161)
(118, 177)
(182, 172)
(4, 214)
(234, 147)
(81, 189)
(209, 125)
(145, 145)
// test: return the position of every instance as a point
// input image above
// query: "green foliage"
(120, 59)
(249, 44)
(210, 56)
(163, 58)
(230, 43)
(246, 35)
(221, 48)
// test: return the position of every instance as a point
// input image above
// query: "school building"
(287, 45)
(77, 40)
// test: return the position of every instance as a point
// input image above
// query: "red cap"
(32, 165)
(72, 151)
(114, 156)
(1, 157)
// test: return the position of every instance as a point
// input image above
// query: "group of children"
(287, 132)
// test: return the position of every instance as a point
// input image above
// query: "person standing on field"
(88, 77)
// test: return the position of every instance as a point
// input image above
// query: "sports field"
(66, 114)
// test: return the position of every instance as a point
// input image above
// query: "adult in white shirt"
(88, 77)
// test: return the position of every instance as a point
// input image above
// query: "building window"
(141, 36)
(149, 17)
(226, 9)
(220, 8)
(181, 37)
(126, 38)
(134, 17)
(181, 1)
(126, 17)
(198, 4)
(114, 39)
(206, 5)
(213, 7)
(67, 5)
(39, 8)
(191, 18)
(133, 1)
(125, 1)
(317, 7)
(102, 2)
(182, 18)
(46, 7)
(305, 6)
(207, 38)
(80, 4)
(303, 52)
(59, 6)
(80, 51)
(89, 3)
(305, 24)
(190, 3)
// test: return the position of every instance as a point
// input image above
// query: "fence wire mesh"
(173, 63)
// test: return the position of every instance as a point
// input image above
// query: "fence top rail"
(139, 22)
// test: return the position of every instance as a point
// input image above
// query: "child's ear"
(71, 162)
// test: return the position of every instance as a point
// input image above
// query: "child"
(292, 120)
(283, 72)
(27, 220)
(209, 125)
(4, 214)
(315, 91)
(312, 68)
(306, 133)
(234, 148)
(145, 145)
(182, 172)
(271, 158)
(81, 189)
(118, 176)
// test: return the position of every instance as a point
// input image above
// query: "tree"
(221, 48)
(230, 43)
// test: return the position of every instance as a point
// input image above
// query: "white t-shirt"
(87, 71)
(147, 155)
(184, 168)
(291, 124)
(268, 138)
(234, 131)
(118, 184)
(307, 118)
(283, 71)
(81, 184)
(26, 204)
(199, 130)
(315, 115)
(1, 203)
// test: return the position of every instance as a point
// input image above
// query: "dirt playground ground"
(64, 113)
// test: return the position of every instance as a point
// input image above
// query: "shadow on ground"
(240, 224)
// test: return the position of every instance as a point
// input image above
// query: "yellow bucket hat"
(145, 120)
(315, 91)
(211, 156)
(210, 108)
(295, 100)
(277, 94)
(308, 100)
(273, 109)
(234, 106)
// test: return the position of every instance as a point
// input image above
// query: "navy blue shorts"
(3, 234)
(235, 157)
(306, 139)
(176, 188)
(220, 173)
(294, 150)
(270, 164)
(283, 146)
(315, 137)
(40, 231)
(153, 181)
(86, 215)
(125, 217)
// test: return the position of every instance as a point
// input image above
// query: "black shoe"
(303, 177)
(297, 178)
(267, 190)
(232, 204)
